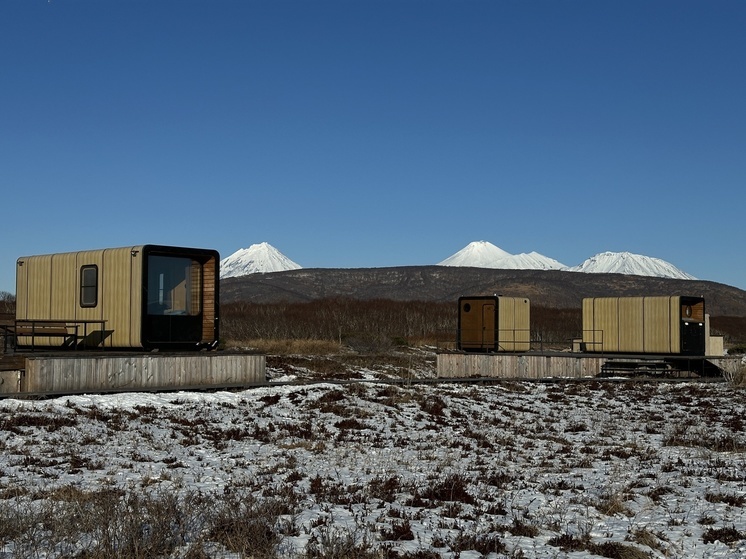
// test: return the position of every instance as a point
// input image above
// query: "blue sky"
(376, 133)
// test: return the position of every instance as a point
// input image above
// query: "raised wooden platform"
(102, 372)
(517, 365)
(573, 365)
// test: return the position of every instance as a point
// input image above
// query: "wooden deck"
(128, 372)
(576, 365)
(517, 365)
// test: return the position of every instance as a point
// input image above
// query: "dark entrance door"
(692, 338)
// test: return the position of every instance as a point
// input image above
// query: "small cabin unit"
(494, 324)
(650, 325)
(145, 297)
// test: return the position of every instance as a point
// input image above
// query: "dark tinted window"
(89, 286)
(174, 286)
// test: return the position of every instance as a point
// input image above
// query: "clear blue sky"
(376, 133)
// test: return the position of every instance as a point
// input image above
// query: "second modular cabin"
(494, 324)
(651, 325)
(145, 297)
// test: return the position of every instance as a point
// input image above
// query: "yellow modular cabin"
(494, 323)
(653, 325)
(147, 296)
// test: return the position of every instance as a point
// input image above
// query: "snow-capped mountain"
(257, 259)
(263, 257)
(482, 254)
(630, 264)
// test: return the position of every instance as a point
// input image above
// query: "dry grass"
(735, 374)
(140, 524)
(334, 362)
(653, 442)
(286, 346)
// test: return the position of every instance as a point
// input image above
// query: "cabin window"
(174, 286)
(89, 286)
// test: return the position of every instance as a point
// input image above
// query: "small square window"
(89, 286)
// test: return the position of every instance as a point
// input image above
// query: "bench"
(48, 329)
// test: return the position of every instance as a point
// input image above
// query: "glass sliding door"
(173, 300)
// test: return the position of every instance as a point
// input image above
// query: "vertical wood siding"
(500, 365)
(210, 290)
(140, 372)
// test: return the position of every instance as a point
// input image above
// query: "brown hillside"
(555, 289)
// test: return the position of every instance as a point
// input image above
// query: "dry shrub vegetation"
(111, 523)
(380, 325)
(366, 326)
(371, 325)
(494, 466)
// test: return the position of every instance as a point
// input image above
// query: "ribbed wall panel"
(630, 318)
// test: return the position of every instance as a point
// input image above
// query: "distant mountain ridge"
(261, 274)
(482, 254)
(263, 258)
(549, 288)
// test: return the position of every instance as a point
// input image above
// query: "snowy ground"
(591, 469)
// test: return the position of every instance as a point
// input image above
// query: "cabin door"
(488, 326)
(692, 338)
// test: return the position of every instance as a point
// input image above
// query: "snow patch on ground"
(513, 470)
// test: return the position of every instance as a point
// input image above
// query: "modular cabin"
(494, 324)
(651, 325)
(145, 297)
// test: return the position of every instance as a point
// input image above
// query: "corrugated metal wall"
(630, 317)
(514, 318)
(661, 328)
(48, 288)
(632, 324)
(121, 295)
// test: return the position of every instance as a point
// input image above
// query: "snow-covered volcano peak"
(257, 259)
(482, 254)
(631, 264)
(479, 254)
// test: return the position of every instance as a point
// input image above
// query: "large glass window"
(174, 285)
(88, 286)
